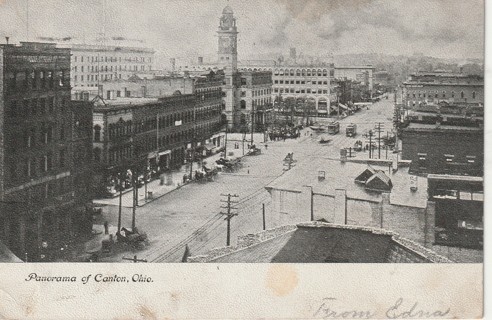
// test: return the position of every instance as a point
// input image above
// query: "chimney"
(7, 39)
(200, 60)
(173, 63)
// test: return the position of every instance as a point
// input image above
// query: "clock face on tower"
(225, 43)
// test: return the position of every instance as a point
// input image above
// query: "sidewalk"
(157, 190)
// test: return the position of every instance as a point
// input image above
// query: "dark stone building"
(459, 210)
(40, 204)
(444, 139)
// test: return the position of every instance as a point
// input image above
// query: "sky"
(177, 28)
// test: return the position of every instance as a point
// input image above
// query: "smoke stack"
(173, 63)
(7, 39)
(200, 60)
(293, 54)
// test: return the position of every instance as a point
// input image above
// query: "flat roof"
(454, 177)
(433, 127)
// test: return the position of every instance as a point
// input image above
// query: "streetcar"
(334, 128)
(351, 130)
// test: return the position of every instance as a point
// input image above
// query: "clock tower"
(227, 34)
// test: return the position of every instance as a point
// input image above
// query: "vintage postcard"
(205, 159)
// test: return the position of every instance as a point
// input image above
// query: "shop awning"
(343, 106)
(322, 111)
(163, 153)
(152, 155)
(209, 146)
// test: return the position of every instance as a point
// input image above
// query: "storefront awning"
(163, 153)
(209, 146)
(152, 155)
(343, 106)
(322, 111)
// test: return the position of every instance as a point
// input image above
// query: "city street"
(191, 215)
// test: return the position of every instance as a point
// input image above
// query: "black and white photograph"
(214, 131)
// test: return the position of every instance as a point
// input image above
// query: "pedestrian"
(266, 146)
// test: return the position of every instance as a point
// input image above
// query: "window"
(471, 159)
(422, 159)
(462, 94)
(452, 94)
(51, 104)
(62, 158)
(449, 158)
(97, 133)
(21, 79)
(473, 94)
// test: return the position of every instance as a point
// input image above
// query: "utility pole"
(312, 201)
(264, 223)
(193, 144)
(120, 186)
(135, 259)
(379, 140)
(225, 144)
(229, 214)
(135, 197)
(252, 121)
(370, 144)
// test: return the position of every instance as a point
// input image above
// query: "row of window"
(35, 167)
(297, 90)
(35, 107)
(301, 72)
(93, 77)
(44, 135)
(458, 194)
(110, 68)
(123, 128)
(436, 95)
(257, 102)
(448, 158)
(37, 79)
(324, 82)
(111, 59)
(149, 144)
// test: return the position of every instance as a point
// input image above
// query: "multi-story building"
(155, 134)
(444, 139)
(307, 81)
(41, 205)
(434, 87)
(136, 87)
(459, 209)
(362, 74)
(256, 99)
(93, 64)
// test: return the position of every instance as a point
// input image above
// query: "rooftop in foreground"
(318, 242)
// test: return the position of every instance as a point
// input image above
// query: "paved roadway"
(191, 215)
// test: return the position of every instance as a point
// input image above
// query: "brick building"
(444, 139)
(434, 87)
(154, 134)
(136, 87)
(39, 188)
(459, 210)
